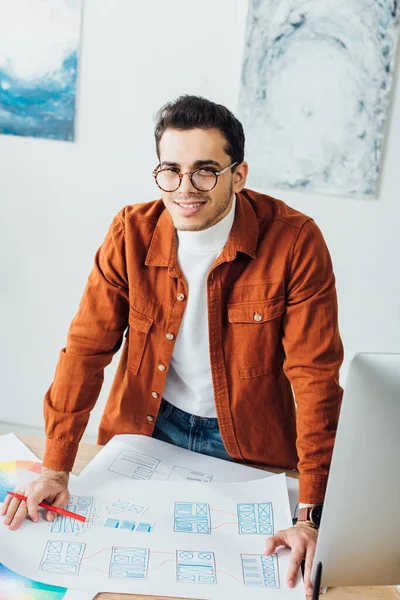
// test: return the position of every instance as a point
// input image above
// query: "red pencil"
(59, 511)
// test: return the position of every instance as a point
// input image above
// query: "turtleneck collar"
(208, 240)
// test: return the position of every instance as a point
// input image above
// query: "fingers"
(274, 542)
(6, 504)
(61, 501)
(16, 513)
(32, 502)
(52, 490)
(308, 566)
(296, 558)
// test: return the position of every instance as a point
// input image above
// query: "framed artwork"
(315, 93)
(39, 51)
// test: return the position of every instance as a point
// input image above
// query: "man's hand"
(302, 539)
(51, 486)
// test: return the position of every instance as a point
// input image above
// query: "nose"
(186, 185)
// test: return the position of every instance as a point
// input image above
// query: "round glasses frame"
(191, 174)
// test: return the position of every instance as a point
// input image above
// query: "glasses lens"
(204, 179)
(168, 180)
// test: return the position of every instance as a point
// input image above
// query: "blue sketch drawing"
(179, 473)
(114, 523)
(195, 567)
(140, 527)
(62, 557)
(117, 506)
(128, 525)
(192, 517)
(260, 570)
(129, 563)
(135, 465)
(136, 508)
(81, 505)
(256, 518)
(144, 527)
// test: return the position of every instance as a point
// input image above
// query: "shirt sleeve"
(94, 336)
(313, 356)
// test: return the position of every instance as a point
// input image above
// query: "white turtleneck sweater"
(189, 382)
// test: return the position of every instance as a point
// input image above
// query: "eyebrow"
(195, 165)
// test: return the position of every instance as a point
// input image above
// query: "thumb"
(273, 542)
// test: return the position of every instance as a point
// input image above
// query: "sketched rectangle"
(134, 464)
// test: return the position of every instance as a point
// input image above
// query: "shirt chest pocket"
(139, 327)
(256, 329)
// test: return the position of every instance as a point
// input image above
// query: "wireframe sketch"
(81, 505)
(192, 517)
(134, 464)
(179, 473)
(139, 527)
(260, 570)
(62, 557)
(129, 563)
(117, 506)
(255, 518)
(195, 567)
(136, 509)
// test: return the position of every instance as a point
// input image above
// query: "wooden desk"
(88, 451)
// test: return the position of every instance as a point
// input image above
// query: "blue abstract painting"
(39, 50)
(315, 93)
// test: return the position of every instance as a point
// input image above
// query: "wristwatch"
(311, 515)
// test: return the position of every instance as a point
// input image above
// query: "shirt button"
(257, 317)
(180, 297)
(154, 394)
(161, 367)
(170, 336)
(150, 418)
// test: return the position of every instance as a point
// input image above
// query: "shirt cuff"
(60, 455)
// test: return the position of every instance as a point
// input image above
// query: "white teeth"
(190, 205)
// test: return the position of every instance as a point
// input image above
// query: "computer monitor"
(359, 536)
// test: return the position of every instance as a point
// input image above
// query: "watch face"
(316, 514)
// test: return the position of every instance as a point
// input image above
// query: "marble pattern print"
(315, 93)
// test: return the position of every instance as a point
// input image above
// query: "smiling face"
(185, 151)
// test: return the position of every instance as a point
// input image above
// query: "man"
(228, 298)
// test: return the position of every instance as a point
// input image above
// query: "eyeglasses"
(203, 179)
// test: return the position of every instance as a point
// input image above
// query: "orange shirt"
(273, 330)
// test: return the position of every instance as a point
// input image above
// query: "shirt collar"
(242, 238)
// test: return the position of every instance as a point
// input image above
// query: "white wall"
(57, 199)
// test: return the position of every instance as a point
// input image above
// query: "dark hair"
(193, 112)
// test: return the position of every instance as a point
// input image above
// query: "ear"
(239, 177)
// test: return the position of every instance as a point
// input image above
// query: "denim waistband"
(170, 411)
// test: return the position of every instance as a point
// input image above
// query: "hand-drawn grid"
(192, 517)
(62, 557)
(260, 570)
(134, 464)
(129, 563)
(256, 518)
(195, 567)
(179, 473)
(81, 505)
(140, 527)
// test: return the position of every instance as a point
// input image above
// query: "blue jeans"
(189, 431)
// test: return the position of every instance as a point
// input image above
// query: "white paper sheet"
(14, 587)
(201, 540)
(144, 458)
